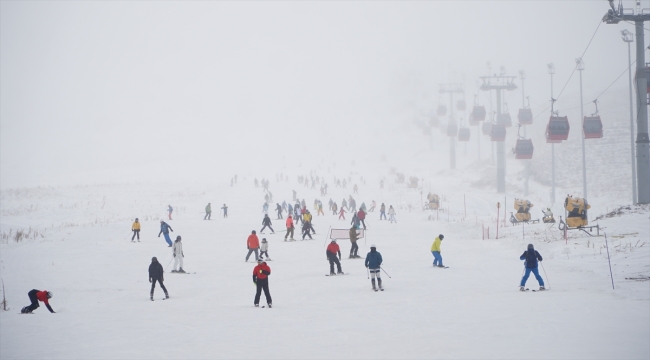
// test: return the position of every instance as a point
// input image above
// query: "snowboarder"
(136, 230)
(435, 251)
(267, 223)
(278, 208)
(170, 209)
(382, 212)
(391, 214)
(362, 217)
(252, 244)
(156, 274)
(531, 257)
(164, 229)
(354, 236)
(306, 229)
(373, 263)
(225, 210)
(177, 249)
(35, 296)
(332, 251)
(290, 228)
(208, 212)
(261, 274)
(264, 249)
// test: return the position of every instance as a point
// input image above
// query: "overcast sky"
(131, 90)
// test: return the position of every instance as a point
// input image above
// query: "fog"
(156, 91)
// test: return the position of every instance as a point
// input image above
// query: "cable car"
(525, 116)
(486, 128)
(463, 134)
(452, 128)
(460, 105)
(524, 149)
(504, 119)
(478, 113)
(434, 121)
(442, 110)
(498, 132)
(557, 129)
(592, 127)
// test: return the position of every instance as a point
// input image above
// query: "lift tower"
(451, 89)
(499, 83)
(614, 16)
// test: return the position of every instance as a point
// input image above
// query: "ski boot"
(270, 305)
(373, 284)
(174, 271)
(541, 288)
(25, 310)
(151, 297)
(181, 271)
(257, 305)
(340, 272)
(166, 296)
(379, 284)
(521, 288)
(332, 273)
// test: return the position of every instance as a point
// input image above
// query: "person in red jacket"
(261, 280)
(252, 244)
(332, 250)
(35, 296)
(362, 217)
(290, 228)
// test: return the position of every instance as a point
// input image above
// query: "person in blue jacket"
(531, 257)
(164, 229)
(373, 263)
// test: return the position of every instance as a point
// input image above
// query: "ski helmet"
(441, 236)
(154, 259)
(263, 239)
(178, 237)
(530, 247)
(49, 294)
(253, 232)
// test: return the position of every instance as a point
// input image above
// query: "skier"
(225, 210)
(265, 208)
(362, 217)
(320, 208)
(290, 227)
(382, 212)
(354, 236)
(170, 209)
(156, 274)
(355, 221)
(261, 274)
(278, 208)
(531, 257)
(266, 222)
(264, 249)
(332, 250)
(178, 255)
(372, 206)
(373, 263)
(208, 212)
(306, 229)
(35, 296)
(252, 244)
(136, 230)
(391, 214)
(164, 229)
(435, 251)
(335, 208)
(344, 203)
(356, 189)
(294, 195)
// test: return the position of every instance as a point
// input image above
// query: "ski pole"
(609, 261)
(170, 261)
(385, 272)
(368, 271)
(547, 279)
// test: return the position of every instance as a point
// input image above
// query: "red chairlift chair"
(524, 149)
(592, 126)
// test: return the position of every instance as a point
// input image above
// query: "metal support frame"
(451, 89)
(580, 66)
(627, 37)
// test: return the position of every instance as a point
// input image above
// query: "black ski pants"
(354, 249)
(32, 297)
(334, 260)
(135, 233)
(306, 233)
(289, 233)
(153, 285)
(208, 216)
(265, 226)
(364, 223)
(262, 284)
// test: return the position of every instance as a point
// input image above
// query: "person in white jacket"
(391, 214)
(264, 248)
(178, 255)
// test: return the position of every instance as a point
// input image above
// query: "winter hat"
(253, 232)
(49, 294)
(260, 260)
(333, 240)
(136, 219)
(530, 247)
(441, 236)
(154, 259)
(263, 239)
(373, 246)
(178, 238)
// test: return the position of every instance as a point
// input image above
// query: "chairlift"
(524, 149)
(557, 129)
(460, 105)
(442, 110)
(478, 113)
(452, 128)
(592, 126)
(498, 132)
(525, 116)
(463, 134)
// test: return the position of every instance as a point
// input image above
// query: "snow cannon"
(576, 211)
(433, 201)
(523, 210)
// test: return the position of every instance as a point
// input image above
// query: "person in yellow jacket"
(435, 250)
(136, 230)
(306, 217)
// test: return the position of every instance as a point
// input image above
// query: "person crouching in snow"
(373, 263)
(332, 251)
(531, 257)
(178, 255)
(35, 296)
(261, 280)
(264, 249)
(435, 250)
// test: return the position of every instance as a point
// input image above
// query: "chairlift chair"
(524, 149)
(498, 132)
(592, 127)
(434, 121)
(557, 129)
(472, 121)
(463, 134)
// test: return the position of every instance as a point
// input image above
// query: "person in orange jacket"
(35, 296)
(332, 250)
(252, 244)
(290, 228)
(261, 280)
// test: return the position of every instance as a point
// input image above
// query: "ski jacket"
(391, 211)
(436, 244)
(353, 235)
(342, 211)
(42, 296)
(155, 271)
(289, 223)
(361, 214)
(164, 228)
(373, 260)
(382, 208)
(333, 249)
(531, 258)
(178, 249)
(355, 221)
(266, 221)
(135, 226)
(261, 272)
(264, 246)
(307, 217)
(170, 208)
(253, 241)
(208, 208)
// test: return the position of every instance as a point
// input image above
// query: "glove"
(149, 280)
(254, 283)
